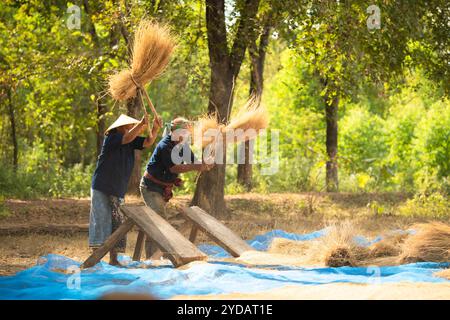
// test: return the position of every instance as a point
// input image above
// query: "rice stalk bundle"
(338, 247)
(388, 246)
(201, 127)
(249, 120)
(431, 242)
(153, 45)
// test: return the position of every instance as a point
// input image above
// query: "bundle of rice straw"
(388, 246)
(152, 48)
(250, 117)
(202, 125)
(339, 248)
(430, 243)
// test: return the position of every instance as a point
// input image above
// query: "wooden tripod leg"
(193, 234)
(152, 252)
(98, 254)
(139, 245)
(150, 247)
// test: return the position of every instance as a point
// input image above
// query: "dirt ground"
(249, 215)
(342, 291)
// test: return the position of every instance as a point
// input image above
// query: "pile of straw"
(389, 246)
(339, 248)
(152, 48)
(431, 242)
(336, 249)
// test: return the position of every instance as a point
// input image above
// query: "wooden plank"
(217, 231)
(98, 254)
(173, 244)
(139, 244)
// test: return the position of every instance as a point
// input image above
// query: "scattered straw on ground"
(339, 248)
(443, 274)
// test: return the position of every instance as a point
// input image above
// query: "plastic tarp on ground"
(58, 277)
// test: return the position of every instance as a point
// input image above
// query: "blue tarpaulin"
(58, 277)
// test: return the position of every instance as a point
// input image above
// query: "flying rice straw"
(201, 127)
(249, 117)
(245, 125)
(153, 45)
(249, 120)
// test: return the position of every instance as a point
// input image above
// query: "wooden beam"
(139, 244)
(217, 231)
(98, 254)
(172, 243)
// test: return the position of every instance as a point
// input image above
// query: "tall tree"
(12, 119)
(333, 37)
(225, 64)
(100, 100)
(257, 52)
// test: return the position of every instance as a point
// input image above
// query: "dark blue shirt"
(161, 161)
(115, 164)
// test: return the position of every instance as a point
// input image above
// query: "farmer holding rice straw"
(111, 176)
(171, 157)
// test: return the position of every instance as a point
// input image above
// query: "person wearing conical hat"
(171, 156)
(111, 176)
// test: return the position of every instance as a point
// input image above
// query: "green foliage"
(363, 147)
(434, 205)
(4, 212)
(43, 182)
(378, 209)
(432, 147)
(394, 124)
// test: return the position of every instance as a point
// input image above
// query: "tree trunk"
(12, 120)
(101, 105)
(101, 125)
(331, 114)
(225, 66)
(245, 170)
(257, 57)
(134, 107)
(209, 193)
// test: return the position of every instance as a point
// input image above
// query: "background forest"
(359, 109)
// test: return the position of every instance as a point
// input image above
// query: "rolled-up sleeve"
(138, 143)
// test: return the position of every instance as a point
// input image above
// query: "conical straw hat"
(123, 120)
